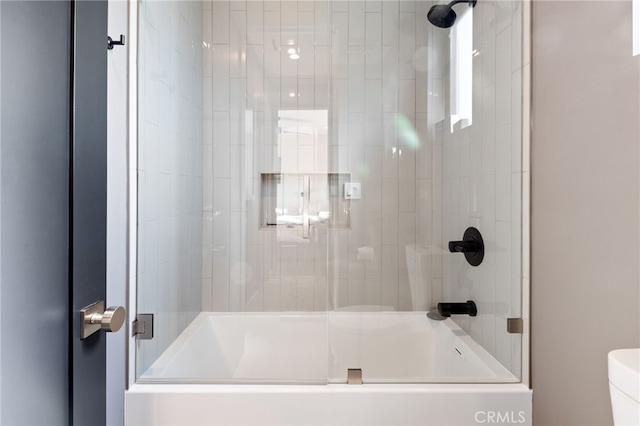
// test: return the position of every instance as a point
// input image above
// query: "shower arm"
(472, 3)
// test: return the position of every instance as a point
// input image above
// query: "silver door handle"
(94, 318)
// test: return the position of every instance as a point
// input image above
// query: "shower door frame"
(525, 188)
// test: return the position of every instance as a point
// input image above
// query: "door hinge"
(142, 327)
(515, 325)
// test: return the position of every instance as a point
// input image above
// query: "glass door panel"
(235, 194)
(427, 122)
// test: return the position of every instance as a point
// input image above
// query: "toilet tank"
(419, 268)
(624, 386)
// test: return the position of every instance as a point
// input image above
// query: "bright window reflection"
(462, 70)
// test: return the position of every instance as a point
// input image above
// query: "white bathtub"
(291, 369)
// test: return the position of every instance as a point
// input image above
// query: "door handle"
(94, 318)
(306, 181)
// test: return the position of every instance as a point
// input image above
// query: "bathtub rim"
(165, 388)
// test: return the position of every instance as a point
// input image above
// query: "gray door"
(88, 205)
(52, 210)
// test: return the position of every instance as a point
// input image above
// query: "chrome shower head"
(443, 16)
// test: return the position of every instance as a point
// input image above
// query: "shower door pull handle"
(306, 182)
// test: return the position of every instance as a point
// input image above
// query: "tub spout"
(447, 309)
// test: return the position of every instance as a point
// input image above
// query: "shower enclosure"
(302, 166)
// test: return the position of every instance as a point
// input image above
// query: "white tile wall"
(170, 169)
(482, 185)
(363, 62)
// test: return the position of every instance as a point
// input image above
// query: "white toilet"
(624, 386)
(418, 262)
